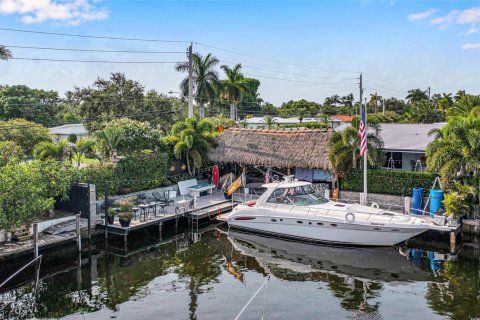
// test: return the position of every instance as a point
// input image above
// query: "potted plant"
(111, 215)
(125, 215)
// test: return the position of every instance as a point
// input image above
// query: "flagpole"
(365, 157)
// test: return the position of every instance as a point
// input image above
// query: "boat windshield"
(297, 196)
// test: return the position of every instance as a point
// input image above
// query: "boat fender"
(350, 217)
(375, 205)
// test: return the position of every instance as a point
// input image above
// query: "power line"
(94, 37)
(92, 50)
(96, 61)
(299, 81)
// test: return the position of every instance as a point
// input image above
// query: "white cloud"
(444, 22)
(470, 16)
(67, 11)
(472, 30)
(468, 46)
(421, 15)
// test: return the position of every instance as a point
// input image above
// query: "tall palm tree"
(459, 95)
(464, 105)
(192, 139)
(82, 147)
(233, 88)
(374, 99)
(455, 153)
(445, 102)
(344, 149)
(205, 79)
(5, 53)
(416, 95)
(110, 138)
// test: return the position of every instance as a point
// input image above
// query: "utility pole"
(383, 105)
(361, 94)
(428, 93)
(365, 158)
(190, 82)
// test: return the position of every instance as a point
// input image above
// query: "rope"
(249, 301)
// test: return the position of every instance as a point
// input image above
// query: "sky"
(297, 49)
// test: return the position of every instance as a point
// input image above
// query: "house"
(337, 120)
(298, 151)
(259, 122)
(404, 143)
(63, 132)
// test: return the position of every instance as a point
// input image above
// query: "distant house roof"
(278, 120)
(342, 118)
(284, 148)
(404, 137)
(75, 128)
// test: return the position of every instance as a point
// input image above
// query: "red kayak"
(215, 176)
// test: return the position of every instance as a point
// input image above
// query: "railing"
(39, 259)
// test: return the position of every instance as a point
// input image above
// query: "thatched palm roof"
(283, 148)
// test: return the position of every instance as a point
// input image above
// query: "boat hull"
(327, 231)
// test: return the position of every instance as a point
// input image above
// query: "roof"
(286, 184)
(278, 120)
(75, 128)
(284, 148)
(342, 118)
(408, 136)
(403, 136)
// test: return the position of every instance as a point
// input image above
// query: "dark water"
(216, 276)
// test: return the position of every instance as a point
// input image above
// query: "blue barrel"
(436, 197)
(417, 195)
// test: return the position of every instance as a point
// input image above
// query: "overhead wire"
(93, 50)
(94, 61)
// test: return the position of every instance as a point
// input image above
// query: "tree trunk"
(202, 111)
(232, 111)
(188, 164)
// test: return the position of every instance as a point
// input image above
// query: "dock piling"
(35, 240)
(79, 236)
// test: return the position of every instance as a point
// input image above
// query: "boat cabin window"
(297, 196)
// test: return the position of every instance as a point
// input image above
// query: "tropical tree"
(344, 149)
(459, 95)
(445, 101)
(233, 88)
(82, 147)
(5, 53)
(10, 152)
(205, 78)
(270, 122)
(374, 100)
(422, 112)
(464, 105)
(416, 95)
(48, 150)
(191, 140)
(24, 133)
(110, 138)
(269, 109)
(455, 153)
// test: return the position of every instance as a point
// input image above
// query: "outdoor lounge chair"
(158, 197)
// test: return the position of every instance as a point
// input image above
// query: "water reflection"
(179, 278)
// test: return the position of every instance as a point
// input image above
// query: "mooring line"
(254, 295)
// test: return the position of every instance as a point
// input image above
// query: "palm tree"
(374, 99)
(270, 122)
(110, 138)
(82, 147)
(416, 95)
(459, 95)
(464, 105)
(205, 79)
(445, 102)
(233, 88)
(192, 139)
(455, 153)
(5, 53)
(344, 149)
(49, 150)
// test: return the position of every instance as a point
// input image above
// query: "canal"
(215, 276)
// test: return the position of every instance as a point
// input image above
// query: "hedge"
(393, 182)
(133, 173)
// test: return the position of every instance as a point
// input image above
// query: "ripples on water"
(216, 276)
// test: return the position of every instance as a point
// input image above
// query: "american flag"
(362, 133)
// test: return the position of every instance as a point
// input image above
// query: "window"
(393, 160)
(298, 196)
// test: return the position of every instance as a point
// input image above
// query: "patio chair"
(162, 199)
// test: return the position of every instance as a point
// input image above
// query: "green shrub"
(388, 181)
(133, 173)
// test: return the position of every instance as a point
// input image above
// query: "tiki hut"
(281, 148)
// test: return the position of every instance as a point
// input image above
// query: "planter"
(111, 219)
(125, 223)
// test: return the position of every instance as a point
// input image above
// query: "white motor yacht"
(293, 209)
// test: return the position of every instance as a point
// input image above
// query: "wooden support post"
(125, 241)
(79, 236)
(35, 240)
(408, 204)
(160, 225)
(453, 241)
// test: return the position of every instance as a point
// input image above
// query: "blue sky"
(397, 44)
